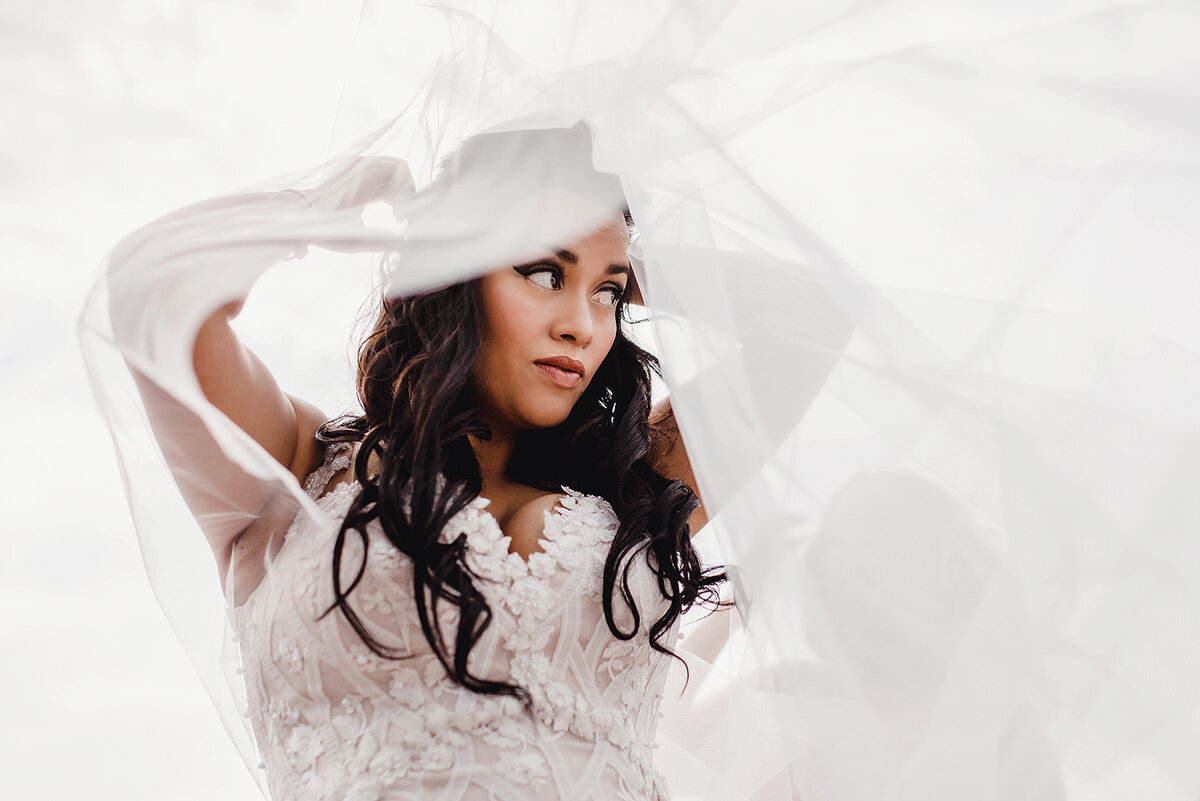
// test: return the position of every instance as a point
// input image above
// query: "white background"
(114, 113)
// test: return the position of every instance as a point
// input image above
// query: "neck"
(493, 456)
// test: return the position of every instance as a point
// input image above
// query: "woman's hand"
(340, 198)
(361, 181)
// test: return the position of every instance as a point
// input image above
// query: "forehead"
(601, 247)
(611, 239)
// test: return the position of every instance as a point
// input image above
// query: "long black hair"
(413, 384)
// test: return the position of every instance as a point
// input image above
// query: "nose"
(573, 321)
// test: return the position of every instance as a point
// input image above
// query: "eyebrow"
(612, 269)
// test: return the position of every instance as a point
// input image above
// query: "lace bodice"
(335, 721)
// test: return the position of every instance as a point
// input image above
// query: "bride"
(493, 613)
(914, 280)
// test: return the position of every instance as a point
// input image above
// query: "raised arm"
(669, 456)
(237, 382)
(667, 452)
(806, 346)
(173, 287)
(160, 279)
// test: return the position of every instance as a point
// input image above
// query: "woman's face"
(546, 327)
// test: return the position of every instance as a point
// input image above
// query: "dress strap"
(337, 458)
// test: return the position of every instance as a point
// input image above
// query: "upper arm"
(237, 382)
(669, 457)
(222, 496)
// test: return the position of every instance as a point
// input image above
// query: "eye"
(548, 276)
(615, 293)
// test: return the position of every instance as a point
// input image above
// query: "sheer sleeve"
(919, 276)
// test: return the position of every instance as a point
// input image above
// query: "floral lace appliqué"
(335, 721)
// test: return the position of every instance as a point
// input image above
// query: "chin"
(547, 418)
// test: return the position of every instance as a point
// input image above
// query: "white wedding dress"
(336, 722)
(921, 276)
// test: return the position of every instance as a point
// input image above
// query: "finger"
(396, 179)
(397, 185)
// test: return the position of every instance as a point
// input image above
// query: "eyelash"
(556, 271)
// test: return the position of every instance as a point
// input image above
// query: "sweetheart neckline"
(480, 504)
(558, 510)
(550, 563)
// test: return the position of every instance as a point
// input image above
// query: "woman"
(525, 572)
(887, 251)
(526, 518)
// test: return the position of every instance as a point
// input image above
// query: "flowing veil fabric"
(921, 275)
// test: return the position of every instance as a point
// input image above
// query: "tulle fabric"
(921, 277)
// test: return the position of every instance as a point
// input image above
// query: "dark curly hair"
(413, 385)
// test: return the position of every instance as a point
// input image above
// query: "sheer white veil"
(921, 278)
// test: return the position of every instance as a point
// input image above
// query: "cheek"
(602, 345)
(508, 326)
(609, 326)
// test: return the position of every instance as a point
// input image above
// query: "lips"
(562, 370)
